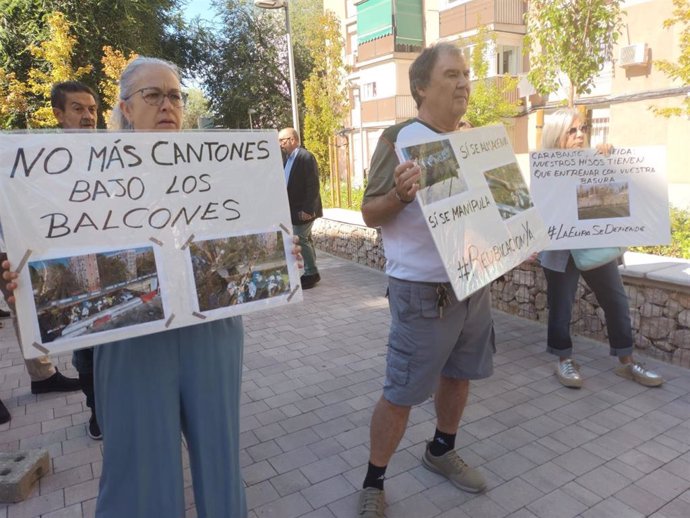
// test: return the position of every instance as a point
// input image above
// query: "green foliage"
(147, 27)
(244, 65)
(488, 100)
(681, 70)
(575, 37)
(680, 237)
(356, 197)
(247, 48)
(325, 99)
(197, 105)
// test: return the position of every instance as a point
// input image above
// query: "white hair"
(127, 83)
(555, 126)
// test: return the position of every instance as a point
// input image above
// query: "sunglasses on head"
(584, 128)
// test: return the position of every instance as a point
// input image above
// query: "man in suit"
(302, 178)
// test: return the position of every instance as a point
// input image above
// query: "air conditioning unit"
(633, 55)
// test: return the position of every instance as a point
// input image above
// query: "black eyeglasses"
(156, 97)
(584, 128)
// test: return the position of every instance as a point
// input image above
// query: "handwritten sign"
(123, 234)
(592, 200)
(476, 204)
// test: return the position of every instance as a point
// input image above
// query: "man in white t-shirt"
(436, 343)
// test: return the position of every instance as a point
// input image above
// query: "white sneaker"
(568, 373)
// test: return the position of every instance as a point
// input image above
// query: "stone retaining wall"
(660, 311)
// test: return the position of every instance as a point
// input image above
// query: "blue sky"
(198, 7)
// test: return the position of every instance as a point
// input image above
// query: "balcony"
(398, 108)
(512, 96)
(471, 15)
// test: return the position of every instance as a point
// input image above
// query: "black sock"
(375, 477)
(442, 443)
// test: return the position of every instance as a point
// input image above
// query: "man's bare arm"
(378, 210)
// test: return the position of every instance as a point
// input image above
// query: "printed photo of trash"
(239, 270)
(95, 293)
(440, 170)
(509, 190)
(610, 200)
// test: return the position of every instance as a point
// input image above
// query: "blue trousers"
(607, 286)
(308, 251)
(149, 390)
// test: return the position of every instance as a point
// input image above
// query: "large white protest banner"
(117, 235)
(476, 204)
(591, 200)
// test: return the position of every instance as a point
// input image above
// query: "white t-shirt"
(410, 251)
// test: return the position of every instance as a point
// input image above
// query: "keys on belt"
(443, 298)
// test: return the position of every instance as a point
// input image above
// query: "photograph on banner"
(100, 231)
(487, 224)
(95, 293)
(509, 190)
(591, 200)
(441, 176)
(236, 270)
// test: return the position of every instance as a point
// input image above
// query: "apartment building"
(382, 38)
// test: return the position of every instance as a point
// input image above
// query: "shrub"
(680, 237)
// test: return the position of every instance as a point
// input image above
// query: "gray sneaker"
(371, 503)
(636, 371)
(454, 469)
(568, 373)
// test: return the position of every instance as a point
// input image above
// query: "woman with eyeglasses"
(565, 129)
(152, 389)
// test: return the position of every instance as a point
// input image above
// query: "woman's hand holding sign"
(9, 277)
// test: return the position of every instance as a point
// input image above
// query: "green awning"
(409, 23)
(374, 20)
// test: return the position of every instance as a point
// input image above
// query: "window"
(368, 91)
(507, 60)
(600, 127)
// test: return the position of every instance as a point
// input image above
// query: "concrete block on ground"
(19, 471)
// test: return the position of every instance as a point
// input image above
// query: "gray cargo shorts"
(425, 341)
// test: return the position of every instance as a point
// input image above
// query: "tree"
(325, 99)
(573, 37)
(111, 270)
(245, 64)
(197, 106)
(242, 67)
(681, 70)
(55, 54)
(489, 103)
(13, 103)
(149, 27)
(114, 62)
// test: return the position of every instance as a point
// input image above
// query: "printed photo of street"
(440, 170)
(509, 190)
(239, 270)
(94, 293)
(611, 200)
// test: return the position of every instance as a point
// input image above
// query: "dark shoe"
(4, 413)
(93, 429)
(56, 383)
(309, 281)
(5, 314)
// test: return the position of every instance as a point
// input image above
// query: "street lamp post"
(250, 112)
(280, 4)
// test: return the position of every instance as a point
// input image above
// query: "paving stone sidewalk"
(312, 374)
